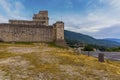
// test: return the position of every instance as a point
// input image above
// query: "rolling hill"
(73, 36)
(113, 39)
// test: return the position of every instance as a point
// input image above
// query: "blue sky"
(98, 18)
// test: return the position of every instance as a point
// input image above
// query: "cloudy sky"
(98, 18)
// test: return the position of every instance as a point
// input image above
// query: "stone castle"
(36, 30)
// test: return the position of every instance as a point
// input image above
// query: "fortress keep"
(36, 30)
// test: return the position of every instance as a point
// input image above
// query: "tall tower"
(42, 17)
(59, 31)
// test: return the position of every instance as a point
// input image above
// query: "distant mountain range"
(113, 39)
(73, 36)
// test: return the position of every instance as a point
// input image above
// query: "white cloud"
(114, 3)
(5, 5)
(12, 9)
(69, 4)
(3, 19)
(97, 20)
(90, 23)
(110, 32)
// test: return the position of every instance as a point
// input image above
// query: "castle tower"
(42, 17)
(59, 30)
(59, 34)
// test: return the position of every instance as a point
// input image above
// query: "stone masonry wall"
(26, 33)
(24, 22)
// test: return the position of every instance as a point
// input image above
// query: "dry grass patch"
(39, 61)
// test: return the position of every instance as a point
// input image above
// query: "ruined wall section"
(26, 33)
(42, 17)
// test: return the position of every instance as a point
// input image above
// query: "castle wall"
(37, 30)
(25, 22)
(26, 33)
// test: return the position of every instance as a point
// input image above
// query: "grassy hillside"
(72, 36)
(40, 61)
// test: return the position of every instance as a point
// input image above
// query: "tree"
(88, 48)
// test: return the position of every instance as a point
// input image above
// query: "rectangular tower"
(59, 34)
(59, 30)
(42, 17)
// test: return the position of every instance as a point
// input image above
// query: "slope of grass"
(52, 63)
